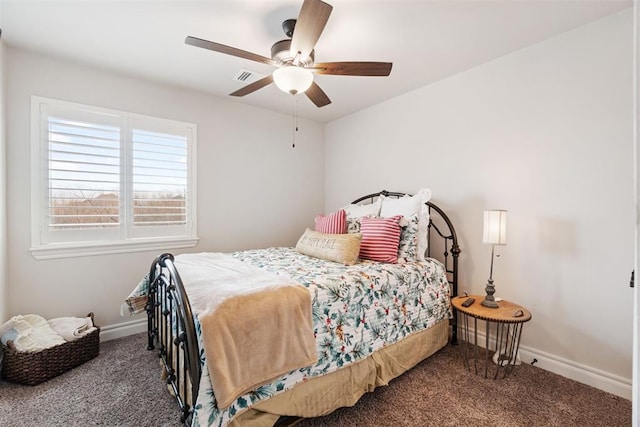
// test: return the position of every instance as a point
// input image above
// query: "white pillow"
(359, 211)
(407, 206)
(423, 224)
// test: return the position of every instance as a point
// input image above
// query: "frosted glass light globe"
(292, 79)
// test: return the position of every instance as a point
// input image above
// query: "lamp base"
(489, 303)
(489, 300)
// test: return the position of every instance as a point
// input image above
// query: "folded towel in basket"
(32, 333)
(72, 328)
(9, 336)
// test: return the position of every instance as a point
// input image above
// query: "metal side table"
(503, 329)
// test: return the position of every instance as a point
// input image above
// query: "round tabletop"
(507, 312)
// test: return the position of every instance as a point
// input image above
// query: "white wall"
(3, 192)
(254, 189)
(546, 133)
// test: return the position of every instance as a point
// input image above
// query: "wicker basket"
(35, 367)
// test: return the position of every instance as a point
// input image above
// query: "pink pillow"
(380, 238)
(335, 223)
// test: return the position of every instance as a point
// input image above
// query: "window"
(106, 181)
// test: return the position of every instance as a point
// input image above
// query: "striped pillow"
(335, 223)
(380, 238)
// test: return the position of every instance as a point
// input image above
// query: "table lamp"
(495, 233)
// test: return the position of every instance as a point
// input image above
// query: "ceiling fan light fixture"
(292, 79)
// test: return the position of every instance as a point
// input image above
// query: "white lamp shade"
(495, 227)
(292, 79)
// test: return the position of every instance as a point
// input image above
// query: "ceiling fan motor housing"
(280, 52)
(288, 26)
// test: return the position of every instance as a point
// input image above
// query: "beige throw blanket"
(256, 325)
(252, 339)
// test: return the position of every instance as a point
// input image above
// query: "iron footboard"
(172, 333)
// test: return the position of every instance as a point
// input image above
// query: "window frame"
(124, 239)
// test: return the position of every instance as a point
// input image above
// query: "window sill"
(71, 250)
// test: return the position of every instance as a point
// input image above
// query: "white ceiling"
(426, 40)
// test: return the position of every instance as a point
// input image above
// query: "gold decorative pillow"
(342, 248)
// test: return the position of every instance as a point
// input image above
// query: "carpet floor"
(122, 387)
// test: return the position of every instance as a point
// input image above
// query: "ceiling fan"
(294, 56)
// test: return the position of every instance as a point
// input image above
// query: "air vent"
(247, 76)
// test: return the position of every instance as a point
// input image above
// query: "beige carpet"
(441, 392)
(121, 387)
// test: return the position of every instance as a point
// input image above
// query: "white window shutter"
(84, 175)
(160, 179)
(109, 178)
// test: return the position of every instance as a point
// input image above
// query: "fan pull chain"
(295, 121)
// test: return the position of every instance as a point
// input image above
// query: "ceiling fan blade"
(311, 21)
(353, 68)
(258, 84)
(217, 47)
(317, 95)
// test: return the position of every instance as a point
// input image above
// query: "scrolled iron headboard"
(451, 250)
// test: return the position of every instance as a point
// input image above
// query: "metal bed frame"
(171, 328)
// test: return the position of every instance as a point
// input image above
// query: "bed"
(370, 321)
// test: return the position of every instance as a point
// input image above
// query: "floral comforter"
(356, 310)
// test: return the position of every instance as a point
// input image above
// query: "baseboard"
(124, 329)
(602, 380)
(584, 374)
